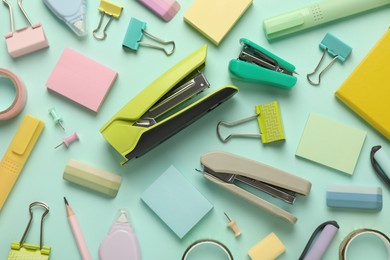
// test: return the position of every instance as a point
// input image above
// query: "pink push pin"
(68, 140)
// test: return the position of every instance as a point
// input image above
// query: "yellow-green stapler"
(163, 108)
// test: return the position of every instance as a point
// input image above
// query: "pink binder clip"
(24, 40)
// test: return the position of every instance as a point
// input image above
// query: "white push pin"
(56, 118)
(68, 140)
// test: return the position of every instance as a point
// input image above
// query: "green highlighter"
(316, 14)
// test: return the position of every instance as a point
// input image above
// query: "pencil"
(76, 230)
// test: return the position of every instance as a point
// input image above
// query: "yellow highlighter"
(17, 154)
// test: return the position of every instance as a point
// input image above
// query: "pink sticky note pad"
(81, 79)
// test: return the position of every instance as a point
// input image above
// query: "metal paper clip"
(336, 48)
(134, 33)
(110, 9)
(20, 250)
(269, 120)
(24, 40)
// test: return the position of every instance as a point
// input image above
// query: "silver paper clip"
(134, 33)
(27, 39)
(336, 48)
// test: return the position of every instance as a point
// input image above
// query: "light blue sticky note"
(176, 201)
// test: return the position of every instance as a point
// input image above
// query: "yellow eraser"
(267, 249)
(215, 18)
(93, 178)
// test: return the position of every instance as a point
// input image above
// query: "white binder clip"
(25, 40)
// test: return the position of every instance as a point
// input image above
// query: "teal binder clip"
(134, 34)
(256, 64)
(336, 48)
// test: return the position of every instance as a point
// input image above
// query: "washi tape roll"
(18, 104)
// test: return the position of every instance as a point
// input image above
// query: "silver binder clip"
(25, 40)
(110, 9)
(134, 33)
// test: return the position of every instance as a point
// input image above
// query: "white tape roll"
(20, 99)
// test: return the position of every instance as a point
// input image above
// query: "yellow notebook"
(367, 90)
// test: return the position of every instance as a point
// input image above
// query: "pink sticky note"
(81, 79)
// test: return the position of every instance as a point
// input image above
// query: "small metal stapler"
(227, 170)
(163, 109)
(256, 64)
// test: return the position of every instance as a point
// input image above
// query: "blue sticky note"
(176, 201)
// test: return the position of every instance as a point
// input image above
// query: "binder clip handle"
(235, 123)
(322, 71)
(12, 20)
(46, 207)
(105, 27)
(164, 42)
(379, 170)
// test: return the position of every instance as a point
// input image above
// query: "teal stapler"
(165, 107)
(256, 64)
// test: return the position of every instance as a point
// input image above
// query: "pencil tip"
(66, 202)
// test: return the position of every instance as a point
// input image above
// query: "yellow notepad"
(367, 90)
(215, 18)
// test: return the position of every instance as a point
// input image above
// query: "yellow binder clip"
(269, 120)
(110, 9)
(21, 250)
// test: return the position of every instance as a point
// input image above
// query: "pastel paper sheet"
(331, 143)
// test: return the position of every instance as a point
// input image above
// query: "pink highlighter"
(166, 9)
(120, 242)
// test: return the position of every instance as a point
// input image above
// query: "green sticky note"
(331, 143)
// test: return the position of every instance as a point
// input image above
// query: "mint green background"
(41, 179)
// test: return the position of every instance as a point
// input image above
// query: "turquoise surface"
(41, 179)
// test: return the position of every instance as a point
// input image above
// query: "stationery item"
(81, 79)
(315, 251)
(269, 247)
(71, 12)
(176, 202)
(336, 48)
(110, 9)
(354, 197)
(316, 14)
(331, 143)
(380, 161)
(77, 234)
(371, 103)
(25, 40)
(21, 250)
(201, 249)
(133, 37)
(57, 120)
(121, 242)
(233, 226)
(233, 173)
(19, 102)
(68, 140)
(258, 65)
(343, 249)
(92, 177)
(215, 18)
(269, 120)
(17, 154)
(161, 109)
(166, 9)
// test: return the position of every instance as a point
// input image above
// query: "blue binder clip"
(336, 48)
(134, 34)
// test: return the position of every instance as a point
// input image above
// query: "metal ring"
(20, 99)
(210, 242)
(354, 234)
